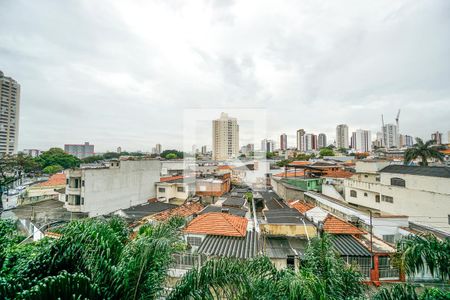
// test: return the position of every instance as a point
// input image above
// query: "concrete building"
(283, 141)
(119, 149)
(32, 152)
(408, 141)
(362, 140)
(422, 193)
(322, 140)
(158, 149)
(102, 189)
(390, 136)
(342, 136)
(9, 114)
(310, 142)
(176, 188)
(301, 140)
(267, 145)
(225, 136)
(437, 137)
(204, 150)
(80, 150)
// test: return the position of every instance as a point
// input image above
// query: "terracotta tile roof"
(56, 179)
(215, 223)
(339, 174)
(290, 173)
(302, 206)
(185, 210)
(334, 225)
(164, 179)
(225, 167)
(300, 163)
(445, 151)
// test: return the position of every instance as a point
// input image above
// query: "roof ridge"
(226, 216)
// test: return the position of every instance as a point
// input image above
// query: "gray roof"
(238, 247)
(416, 170)
(139, 211)
(272, 200)
(285, 216)
(233, 211)
(234, 201)
(347, 245)
(283, 247)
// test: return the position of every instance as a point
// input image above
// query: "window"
(82, 200)
(448, 219)
(67, 199)
(365, 194)
(366, 176)
(397, 181)
(194, 241)
(353, 193)
(390, 238)
(67, 181)
(377, 198)
(161, 190)
(377, 179)
(387, 199)
(82, 183)
(290, 262)
(180, 189)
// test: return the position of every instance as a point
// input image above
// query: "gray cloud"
(121, 74)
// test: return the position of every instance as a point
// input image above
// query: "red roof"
(290, 173)
(334, 225)
(54, 180)
(339, 174)
(216, 223)
(185, 210)
(225, 167)
(300, 163)
(302, 206)
(165, 179)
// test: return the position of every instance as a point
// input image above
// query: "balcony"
(73, 191)
(72, 207)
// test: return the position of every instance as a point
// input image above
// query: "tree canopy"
(57, 156)
(423, 151)
(325, 151)
(178, 154)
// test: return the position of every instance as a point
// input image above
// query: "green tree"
(424, 151)
(326, 152)
(270, 155)
(178, 154)
(409, 292)
(53, 169)
(57, 156)
(171, 156)
(92, 159)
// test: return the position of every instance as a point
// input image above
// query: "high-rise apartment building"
(9, 114)
(79, 150)
(301, 140)
(322, 140)
(225, 138)
(342, 136)
(310, 142)
(283, 141)
(204, 150)
(390, 136)
(267, 145)
(158, 149)
(409, 141)
(362, 140)
(353, 140)
(437, 138)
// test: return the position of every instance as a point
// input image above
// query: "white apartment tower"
(9, 115)
(283, 141)
(390, 136)
(321, 141)
(301, 140)
(362, 140)
(342, 136)
(225, 138)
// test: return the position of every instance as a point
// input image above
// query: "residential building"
(267, 145)
(158, 149)
(422, 193)
(119, 149)
(80, 150)
(310, 142)
(342, 136)
(47, 190)
(353, 141)
(321, 141)
(362, 140)
(204, 150)
(408, 141)
(211, 187)
(32, 152)
(118, 184)
(178, 188)
(301, 140)
(390, 136)
(283, 141)
(437, 137)
(225, 138)
(9, 114)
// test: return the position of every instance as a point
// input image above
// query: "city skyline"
(336, 64)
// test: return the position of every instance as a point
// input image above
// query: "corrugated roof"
(285, 216)
(238, 247)
(139, 211)
(416, 170)
(334, 225)
(218, 224)
(234, 211)
(347, 245)
(283, 247)
(234, 202)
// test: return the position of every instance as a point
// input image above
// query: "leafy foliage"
(57, 156)
(424, 151)
(178, 154)
(326, 152)
(52, 169)
(409, 292)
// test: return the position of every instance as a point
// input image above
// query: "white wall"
(107, 190)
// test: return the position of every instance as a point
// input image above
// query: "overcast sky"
(122, 73)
